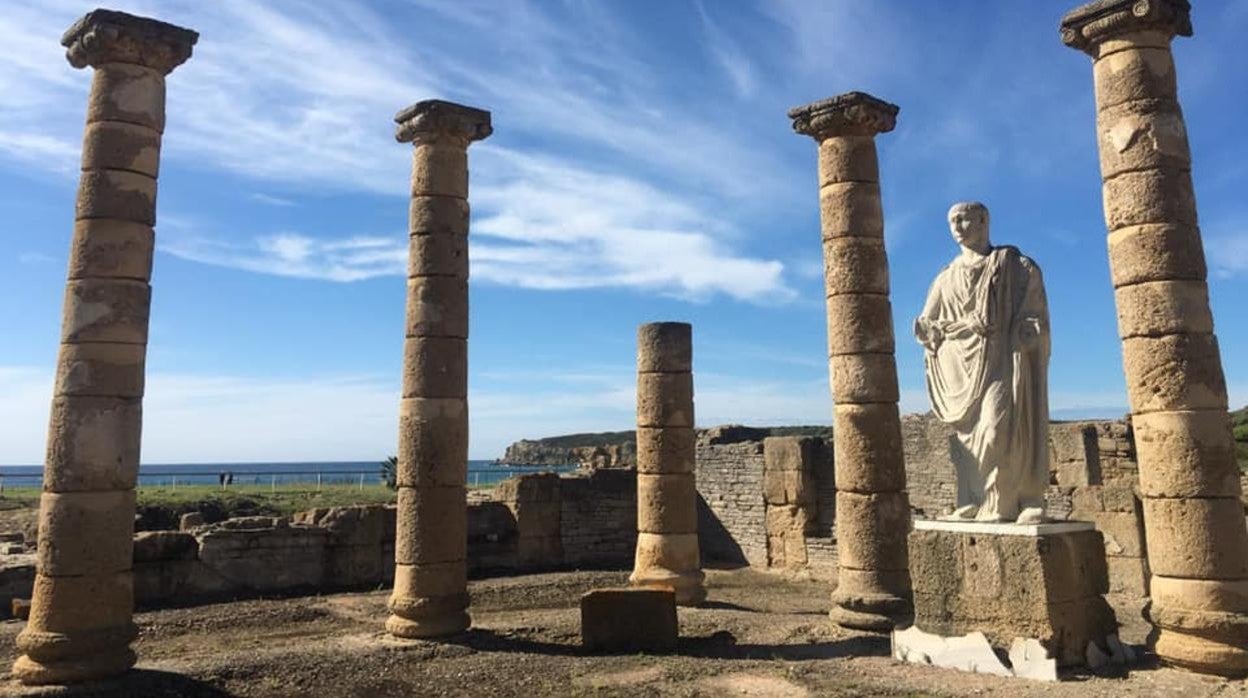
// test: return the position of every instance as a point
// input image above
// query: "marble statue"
(985, 331)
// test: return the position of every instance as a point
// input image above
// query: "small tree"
(390, 472)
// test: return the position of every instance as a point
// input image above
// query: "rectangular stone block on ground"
(629, 620)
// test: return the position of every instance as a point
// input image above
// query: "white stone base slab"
(972, 653)
(1004, 529)
(969, 652)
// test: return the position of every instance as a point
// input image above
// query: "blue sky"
(642, 168)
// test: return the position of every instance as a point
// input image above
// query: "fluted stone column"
(1189, 481)
(80, 623)
(667, 495)
(872, 510)
(430, 596)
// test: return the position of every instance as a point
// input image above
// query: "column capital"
(435, 119)
(108, 36)
(850, 114)
(1086, 26)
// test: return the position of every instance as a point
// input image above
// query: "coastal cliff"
(618, 449)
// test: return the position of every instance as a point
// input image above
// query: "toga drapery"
(985, 327)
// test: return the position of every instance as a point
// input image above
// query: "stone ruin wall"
(588, 520)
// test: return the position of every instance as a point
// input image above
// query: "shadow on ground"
(136, 682)
(719, 645)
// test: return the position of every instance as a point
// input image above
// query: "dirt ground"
(758, 635)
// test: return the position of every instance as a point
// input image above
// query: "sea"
(480, 472)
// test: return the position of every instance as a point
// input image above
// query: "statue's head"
(968, 223)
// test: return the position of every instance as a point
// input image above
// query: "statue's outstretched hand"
(928, 333)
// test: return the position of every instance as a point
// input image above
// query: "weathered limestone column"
(1193, 516)
(430, 596)
(872, 510)
(80, 620)
(667, 495)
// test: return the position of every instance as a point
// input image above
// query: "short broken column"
(667, 494)
(430, 597)
(872, 511)
(81, 616)
(1193, 515)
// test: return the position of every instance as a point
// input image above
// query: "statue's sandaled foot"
(1031, 515)
(963, 513)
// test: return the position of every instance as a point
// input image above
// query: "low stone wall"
(598, 528)
(592, 516)
(1093, 476)
(931, 479)
(765, 503)
(732, 514)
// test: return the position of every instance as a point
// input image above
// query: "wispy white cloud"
(35, 258)
(1228, 254)
(296, 255)
(271, 200)
(728, 54)
(42, 151)
(634, 197)
(549, 225)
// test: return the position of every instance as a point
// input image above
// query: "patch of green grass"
(1239, 425)
(262, 499)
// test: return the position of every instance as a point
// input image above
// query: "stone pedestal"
(536, 504)
(1189, 481)
(667, 496)
(80, 620)
(1008, 581)
(872, 512)
(430, 596)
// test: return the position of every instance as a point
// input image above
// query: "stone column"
(80, 621)
(872, 511)
(667, 495)
(430, 596)
(1193, 515)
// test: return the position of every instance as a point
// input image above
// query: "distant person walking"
(221, 479)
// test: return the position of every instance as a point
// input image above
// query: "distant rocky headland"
(618, 449)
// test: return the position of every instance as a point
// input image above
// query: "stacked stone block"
(80, 622)
(430, 596)
(1074, 455)
(355, 556)
(536, 504)
(667, 494)
(789, 489)
(1197, 541)
(872, 513)
(1119, 517)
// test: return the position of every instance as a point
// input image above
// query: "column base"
(1202, 624)
(58, 657)
(73, 670)
(881, 622)
(1202, 655)
(416, 617)
(689, 586)
(439, 626)
(873, 600)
